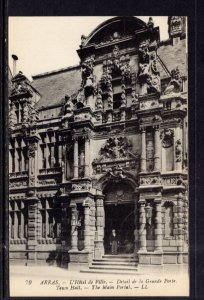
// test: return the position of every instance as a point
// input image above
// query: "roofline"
(55, 72)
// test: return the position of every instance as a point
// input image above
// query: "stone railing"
(17, 241)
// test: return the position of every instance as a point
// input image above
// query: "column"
(157, 150)
(87, 156)
(74, 232)
(86, 228)
(180, 228)
(16, 156)
(143, 154)
(158, 226)
(76, 158)
(60, 154)
(22, 221)
(32, 228)
(52, 151)
(46, 152)
(142, 227)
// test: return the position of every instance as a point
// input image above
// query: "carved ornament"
(167, 136)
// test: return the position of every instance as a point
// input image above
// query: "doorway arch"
(119, 206)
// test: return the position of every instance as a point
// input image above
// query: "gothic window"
(18, 220)
(50, 220)
(168, 219)
(150, 216)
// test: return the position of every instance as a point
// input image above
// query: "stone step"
(115, 263)
(119, 256)
(107, 271)
(132, 260)
(113, 267)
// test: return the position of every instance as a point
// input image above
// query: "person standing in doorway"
(114, 242)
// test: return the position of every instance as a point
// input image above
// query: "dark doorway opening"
(121, 218)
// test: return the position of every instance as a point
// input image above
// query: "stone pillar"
(60, 154)
(74, 232)
(158, 226)
(143, 153)
(16, 156)
(142, 227)
(86, 227)
(157, 150)
(22, 221)
(99, 235)
(32, 227)
(46, 152)
(87, 158)
(180, 226)
(76, 158)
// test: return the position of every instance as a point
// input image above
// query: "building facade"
(103, 146)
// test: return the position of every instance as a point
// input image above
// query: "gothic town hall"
(102, 146)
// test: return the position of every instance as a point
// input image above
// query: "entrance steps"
(113, 264)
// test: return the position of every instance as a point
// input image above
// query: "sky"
(43, 44)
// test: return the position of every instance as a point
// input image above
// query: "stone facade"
(100, 146)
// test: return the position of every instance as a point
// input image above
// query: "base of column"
(83, 256)
(98, 249)
(150, 258)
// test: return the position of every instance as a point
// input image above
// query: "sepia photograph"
(98, 156)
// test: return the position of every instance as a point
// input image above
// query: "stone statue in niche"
(167, 136)
(175, 84)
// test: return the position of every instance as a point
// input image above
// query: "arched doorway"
(119, 215)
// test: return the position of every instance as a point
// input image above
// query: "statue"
(175, 84)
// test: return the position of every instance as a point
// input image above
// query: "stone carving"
(30, 115)
(12, 116)
(155, 180)
(123, 97)
(81, 186)
(175, 84)
(83, 40)
(117, 66)
(68, 107)
(99, 103)
(148, 75)
(150, 23)
(134, 97)
(110, 95)
(116, 147)
(176, 25)
(173, 180)
(117, 172)
(87, 67)
(31, 150)
(156, 118)
(47, 182)
(20, 88)
(167, 136)
(15, 184)
(178, 150)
